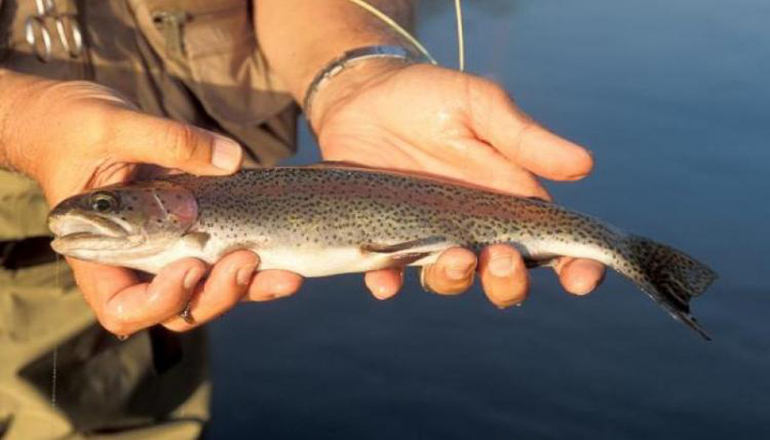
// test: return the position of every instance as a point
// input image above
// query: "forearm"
(13, 88)
(299, 37)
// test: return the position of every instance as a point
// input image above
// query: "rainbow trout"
(326, 220)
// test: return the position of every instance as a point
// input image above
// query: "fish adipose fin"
(669, 276)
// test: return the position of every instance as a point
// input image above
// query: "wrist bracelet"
(353, 56)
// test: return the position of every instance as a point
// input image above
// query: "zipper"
(171, 24)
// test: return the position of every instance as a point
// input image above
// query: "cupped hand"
(427, 119)
(75, 136)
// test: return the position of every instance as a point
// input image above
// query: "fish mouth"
(73, 232)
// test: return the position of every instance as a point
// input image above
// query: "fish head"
(119, 222)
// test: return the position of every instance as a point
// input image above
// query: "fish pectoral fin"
(408, 252)
(196, 240)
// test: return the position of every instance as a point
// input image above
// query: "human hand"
(437, 121)
(75, 136)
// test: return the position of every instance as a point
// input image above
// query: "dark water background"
(673, 97)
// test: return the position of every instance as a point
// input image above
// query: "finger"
(147, 139)
(452, 273)
(466, 159)
(579, 276)
(124, 306)
(226, 285)
(384, 284)
(268, 285)
(504, 276)
(499, 172)
(497, 120)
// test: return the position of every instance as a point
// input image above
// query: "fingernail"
(225, 154)
(582, 287)
(192, 277)
(382, 292)
(458, 272)
(501, 267)
(243, 276)
(585, 276)
(282, 292)
(578, 176)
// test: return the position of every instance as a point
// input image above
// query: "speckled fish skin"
(326, 220)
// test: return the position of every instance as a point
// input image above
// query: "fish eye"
(104, 202)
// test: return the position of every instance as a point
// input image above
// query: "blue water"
(673, 98)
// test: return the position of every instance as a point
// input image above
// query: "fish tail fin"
(668, 276)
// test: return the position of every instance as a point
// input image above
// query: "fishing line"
(416, 43)
(54, 368)
(460, 36)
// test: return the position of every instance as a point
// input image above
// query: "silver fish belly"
(319, 221)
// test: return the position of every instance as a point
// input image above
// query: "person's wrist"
(19, 95)
(46, 122)
(349, 82)
(350, 58)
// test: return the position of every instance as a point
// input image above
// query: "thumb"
(525, 142)
(147, 139)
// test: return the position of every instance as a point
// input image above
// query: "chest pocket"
(211, 46)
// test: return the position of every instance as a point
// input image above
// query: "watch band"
(353, 56)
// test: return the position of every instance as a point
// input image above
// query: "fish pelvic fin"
(408, 252)
(669, 276)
